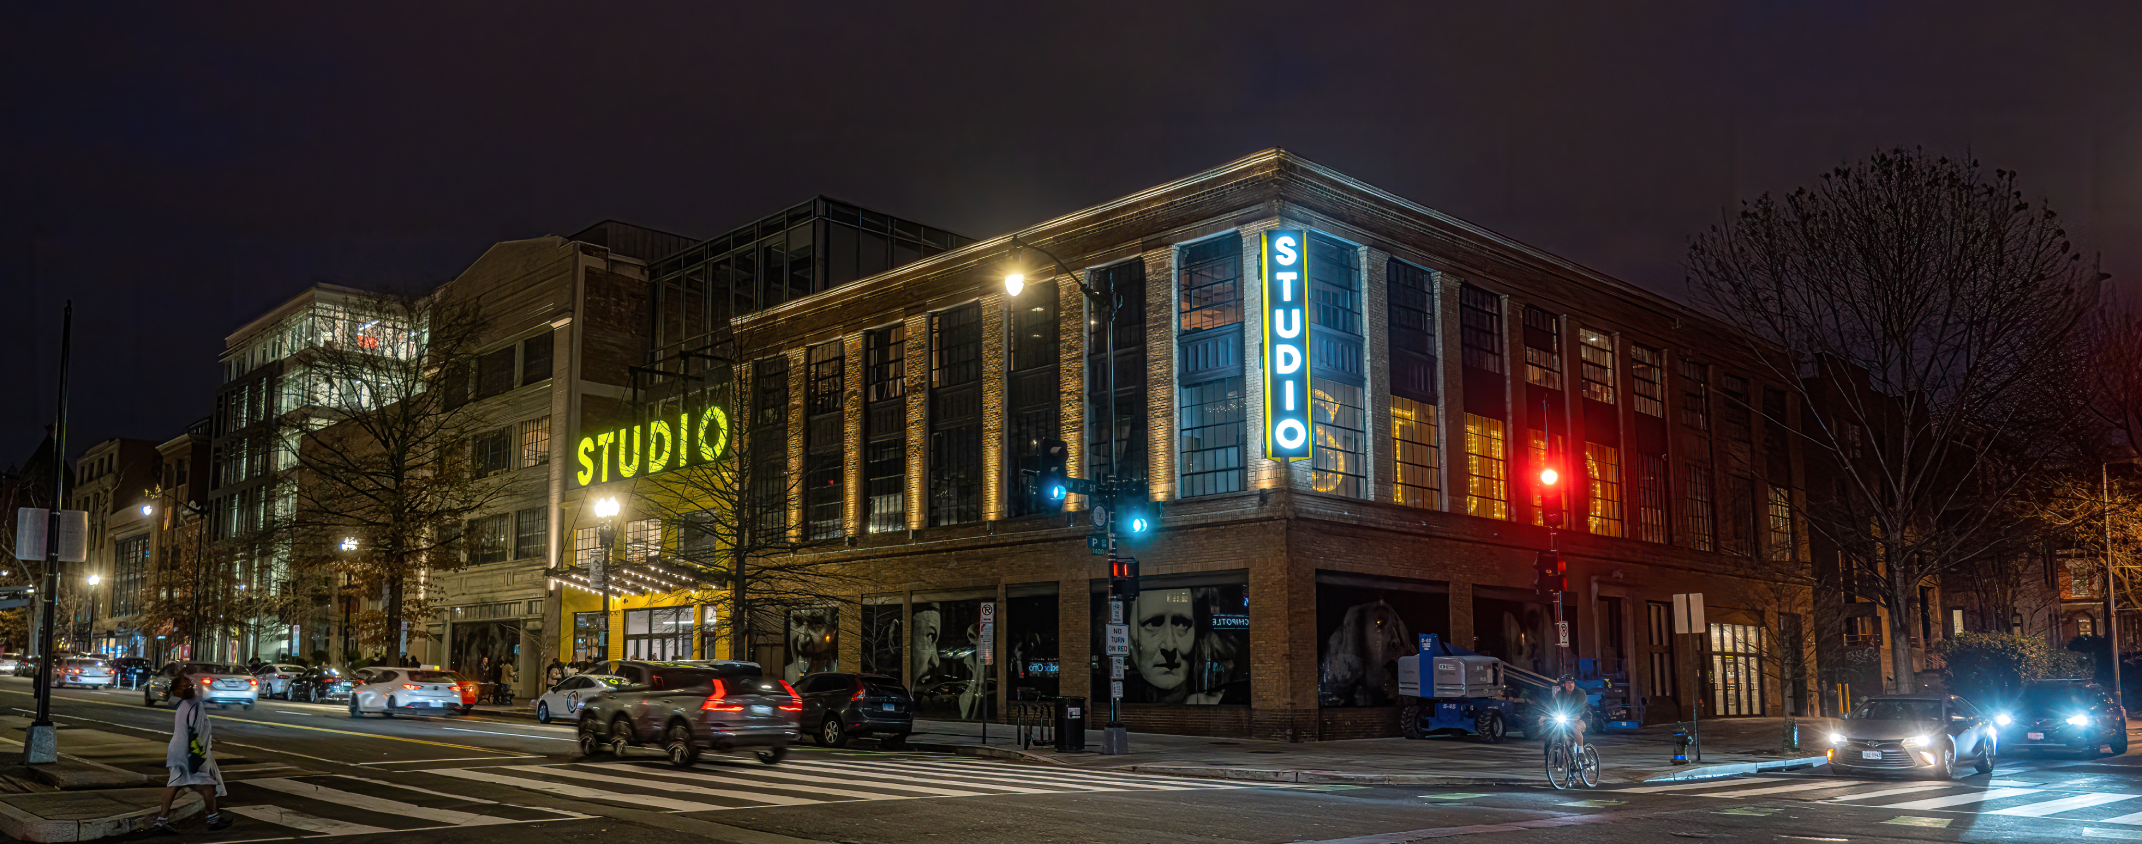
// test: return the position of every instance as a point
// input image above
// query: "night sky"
(177, 169)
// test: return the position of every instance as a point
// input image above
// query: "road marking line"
(896, 786)
(1781, 789)
(360, 734)
(299, 820)
(1960, 799)
(579, 793)
(2135, 818)
(747, 793)
(2127, 834)
(1932, 823)
(1685, 786)
(1889, 792)
(376, 804)
(995, 772)
(462, 759)
(2080, 801)
(1014, 783)
(515, 735)
(1451, 796)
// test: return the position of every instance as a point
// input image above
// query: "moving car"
(319, 684)
(565, 699)
(85, 671)
(10, 662)
(723, 707)
(132, 671)
(275, 678)
(394, 691)
(220, 684)
(838, 706)
(2063, 714)
(1926, 734)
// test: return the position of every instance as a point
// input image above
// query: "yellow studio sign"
(653, 446)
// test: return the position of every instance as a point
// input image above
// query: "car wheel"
(1490, 727)
(354, 711)
(591, 743)
(389, 711)
(773, 756)
(1945, 769)
(146, 700)
(1984, 763)
(683, 751)
(831, 734)
(542, 713)
(2119, 741)
(620, 735)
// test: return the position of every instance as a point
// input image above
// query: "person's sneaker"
(218, 821)
(162, 827)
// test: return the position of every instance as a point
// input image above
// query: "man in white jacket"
(191, 758)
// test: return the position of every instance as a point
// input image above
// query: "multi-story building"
(1302, 547)
(115, 480)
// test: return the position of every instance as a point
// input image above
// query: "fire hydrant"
(1681, 742)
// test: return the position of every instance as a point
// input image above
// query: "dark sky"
(176, 169)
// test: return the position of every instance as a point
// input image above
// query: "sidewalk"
(1735, 746)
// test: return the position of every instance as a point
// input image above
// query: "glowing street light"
(148, 509)
(606, 507)
(1014, 283)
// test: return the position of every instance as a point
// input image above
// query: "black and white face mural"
(813, 642)
(1188, 645)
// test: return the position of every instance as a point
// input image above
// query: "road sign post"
(1688, 619)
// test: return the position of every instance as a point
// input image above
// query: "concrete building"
(1446, 365)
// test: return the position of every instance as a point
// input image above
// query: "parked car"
(133, 671)
(11, 662)
(1913, 734)
(2074, 715)
(722, 707)
(395, 691)
(839, 706)
(275, 678)
(89, 672)
(220, 684)
(320, 684)
(565, 699)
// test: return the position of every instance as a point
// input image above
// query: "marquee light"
(1286, 345)
(653, 446)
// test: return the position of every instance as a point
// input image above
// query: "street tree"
(1927, 314)
(385, 460)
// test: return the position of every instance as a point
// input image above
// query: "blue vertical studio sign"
(1286, 345)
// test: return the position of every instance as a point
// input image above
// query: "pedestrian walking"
(507, 676)
(553, 675)
(191, 759)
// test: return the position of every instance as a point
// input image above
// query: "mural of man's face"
(1163, 627)
(923, 648)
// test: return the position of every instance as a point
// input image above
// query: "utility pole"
(41, 745)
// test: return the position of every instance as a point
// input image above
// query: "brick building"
(1447, 363)
(115, 479)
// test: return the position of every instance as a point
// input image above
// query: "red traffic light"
(1549, 476)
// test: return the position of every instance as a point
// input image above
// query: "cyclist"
(1569, 702)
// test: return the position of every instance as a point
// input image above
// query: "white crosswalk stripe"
(2008, 799)
(1962, 799)
(320, 805)
(2079, 801)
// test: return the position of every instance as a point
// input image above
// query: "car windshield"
(432, 677)
(2057, 697)
(1899, 710)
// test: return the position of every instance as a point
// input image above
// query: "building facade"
(1446, 365)
(116, 483)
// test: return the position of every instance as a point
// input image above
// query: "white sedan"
(565, 699)
(406, 690)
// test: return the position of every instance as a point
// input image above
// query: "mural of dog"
(1360, 664)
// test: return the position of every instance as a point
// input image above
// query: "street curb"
(1716, 771)
(23, 826)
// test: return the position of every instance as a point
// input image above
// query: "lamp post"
(93, 580)
(605, 535)
(1115, 740)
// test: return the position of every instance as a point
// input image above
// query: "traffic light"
(1123, 578)
(1054, 484)
(1134, 515)
(1551, 572)
(1550, 496)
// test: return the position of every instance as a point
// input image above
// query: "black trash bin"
(1070, 724)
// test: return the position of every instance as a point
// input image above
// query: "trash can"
(1070, 725)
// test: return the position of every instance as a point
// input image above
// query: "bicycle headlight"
(1915, 741)
(2078, 720)
(1561, 720)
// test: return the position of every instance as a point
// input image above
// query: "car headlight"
(1838, 738)
(2078, 720)
(2003, 719)
(1915, 741)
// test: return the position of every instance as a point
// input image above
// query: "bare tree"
(385, 477)
(1926, 313)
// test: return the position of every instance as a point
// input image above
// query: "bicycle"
(1570, 763)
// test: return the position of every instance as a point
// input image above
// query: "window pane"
(1338, 421)
(1417, 473)
(1602, 468)
(1486, 468)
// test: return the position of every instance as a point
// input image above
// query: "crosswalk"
(319, 805)
(2025, 798)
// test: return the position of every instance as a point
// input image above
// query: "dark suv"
(839, 706)
(2065, 714)
(719, 706)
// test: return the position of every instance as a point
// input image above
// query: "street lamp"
(1115, 740)
(148, 509)
(606, 535)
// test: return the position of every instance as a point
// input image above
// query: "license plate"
(762, 710)
(888, 707)
(2034, 736)
(1870, 754)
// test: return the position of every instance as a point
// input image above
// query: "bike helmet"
(1566, 678)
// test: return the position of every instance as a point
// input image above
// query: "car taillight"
(252, 682)
(795, 701)
(74, 671)
(204, 681)
(859, 688)
(718, 701)
(411, 686)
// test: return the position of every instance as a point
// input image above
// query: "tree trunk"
(1903, 679)
(394, 617)
(739, 615)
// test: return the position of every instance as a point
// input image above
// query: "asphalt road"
(310, 771)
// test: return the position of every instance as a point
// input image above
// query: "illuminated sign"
(1286, 345)
(657, 445)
